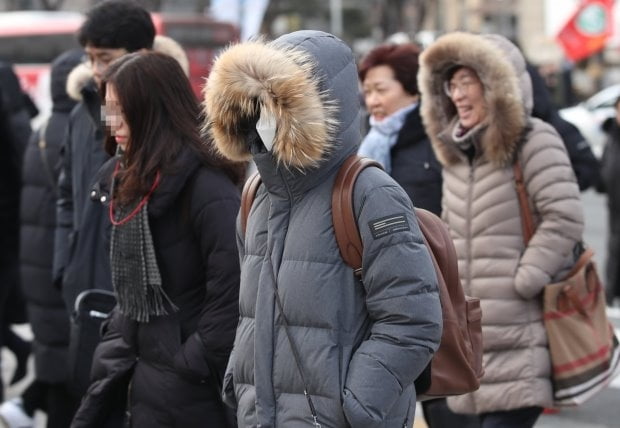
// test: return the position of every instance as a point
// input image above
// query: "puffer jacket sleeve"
(64, 210)
(228, 386)
(402, 301)
(215, 204)
(113, 362)
(228, 392)
(605, 183)
(554, 198)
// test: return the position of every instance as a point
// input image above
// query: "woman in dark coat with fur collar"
(173, 256)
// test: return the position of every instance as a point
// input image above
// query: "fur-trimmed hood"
(170, 47)
(507, 91)
(77, 80)
(307, 80)
(81, 75)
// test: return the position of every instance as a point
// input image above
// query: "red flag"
(588, 29)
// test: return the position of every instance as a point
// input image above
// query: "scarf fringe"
(135, 274)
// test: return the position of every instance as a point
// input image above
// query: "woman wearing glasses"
(477, 113)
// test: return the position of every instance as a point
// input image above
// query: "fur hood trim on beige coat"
(280, 80)
(507, 92)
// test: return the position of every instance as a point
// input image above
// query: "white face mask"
(266, 128)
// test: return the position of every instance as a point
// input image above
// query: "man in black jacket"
(112, 29)
(14, 133)
(584, 163)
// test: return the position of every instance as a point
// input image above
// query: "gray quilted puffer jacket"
(361, 345)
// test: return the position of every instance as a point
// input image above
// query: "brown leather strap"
(343, 215)
(247, 197)
(527, 221)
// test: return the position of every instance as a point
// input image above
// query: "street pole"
(440, 17)
(335, 12)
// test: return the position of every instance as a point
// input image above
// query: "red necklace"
(137, 209)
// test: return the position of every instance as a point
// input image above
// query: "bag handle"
(582, 261)
(343, 216)
(527, 221)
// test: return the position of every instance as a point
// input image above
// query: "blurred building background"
(533, 24)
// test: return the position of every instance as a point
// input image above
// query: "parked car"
(30, 40)
(590, 114)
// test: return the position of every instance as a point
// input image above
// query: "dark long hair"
(163, 117)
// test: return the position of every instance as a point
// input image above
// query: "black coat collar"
(171, 183)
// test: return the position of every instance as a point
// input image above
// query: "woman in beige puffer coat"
(477, 111)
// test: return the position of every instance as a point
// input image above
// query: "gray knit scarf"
(135, 274)
(383, 135)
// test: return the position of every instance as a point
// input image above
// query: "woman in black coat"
(173, 255)
(396, 137)
(14, 134)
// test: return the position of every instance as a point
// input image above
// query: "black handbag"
(91, 308)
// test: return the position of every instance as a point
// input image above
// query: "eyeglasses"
(98, 59)
(463, 86)
(97, 63)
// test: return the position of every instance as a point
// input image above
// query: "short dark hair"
(117, 24)
(402, 59)
(163, 116)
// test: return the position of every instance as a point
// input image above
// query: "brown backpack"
(456, 367)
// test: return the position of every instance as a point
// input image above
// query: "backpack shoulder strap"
(247, 198)
(343, 215)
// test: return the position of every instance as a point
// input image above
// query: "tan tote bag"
(583, 347)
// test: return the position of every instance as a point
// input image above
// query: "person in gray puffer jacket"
(359, 345)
